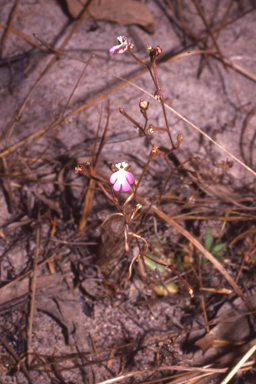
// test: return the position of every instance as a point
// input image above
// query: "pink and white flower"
(123, 45)
(121, 178)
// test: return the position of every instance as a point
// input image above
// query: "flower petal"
(117, 185)
(122, 47)
(113, 177)
(119, 48)
(129, 176)
(126, 186)
(115, 49)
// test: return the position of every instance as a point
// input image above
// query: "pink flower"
(123, 45)
(121, 178)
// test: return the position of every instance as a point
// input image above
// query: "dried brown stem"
(33, 293)
(201, 13)
(206, 59)
(90, 191)
(7, 31)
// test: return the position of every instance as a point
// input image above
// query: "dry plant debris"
(128, 208)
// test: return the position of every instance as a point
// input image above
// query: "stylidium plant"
(122, 179)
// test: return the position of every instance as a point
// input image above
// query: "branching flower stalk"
(122, 178)
(154, 53)
(126, 46)
(141, 130)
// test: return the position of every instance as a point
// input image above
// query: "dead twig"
(90, 191)
(202, 15)
(217, 34)
(7, 31)
(33, 293)
(23, 36)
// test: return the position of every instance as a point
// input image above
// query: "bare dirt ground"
(88, 293)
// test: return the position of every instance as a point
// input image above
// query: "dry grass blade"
(75, 87)
(217, 35)
(7, 31)
(204, 312)
(90, 190)
(23, 36)
(239, 68)
(87, 205)
(239, 364)
(33, 293)
(196, 370)
(200, 12)
(179, 15)
(242, 235)
(29, 138)
(9, 189)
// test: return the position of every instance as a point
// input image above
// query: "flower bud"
(144, 104)
(159, 50)
(81, 169)
(150, 129)
(157, 96)
(180, 138)
(154, 152)
(112, 167)
(78, 169)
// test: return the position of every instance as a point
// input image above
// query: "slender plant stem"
(159, 92)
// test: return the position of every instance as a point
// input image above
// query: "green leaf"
(160, 290)
(208, 239)
(218, 257)
(219, 248)
(152, 265)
